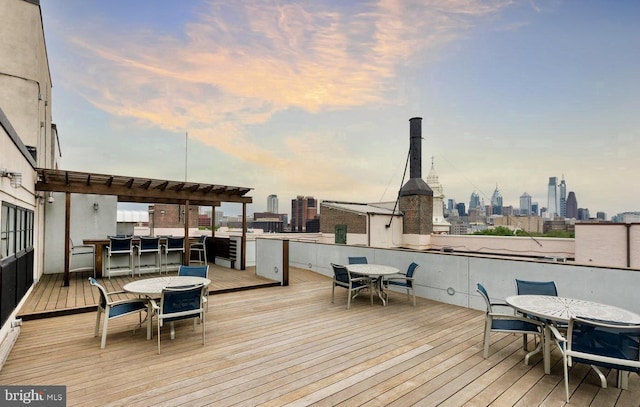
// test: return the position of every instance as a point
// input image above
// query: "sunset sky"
(314, 97)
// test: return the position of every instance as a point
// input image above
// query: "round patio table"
(561, 309)
(152, 287)
(376, 271)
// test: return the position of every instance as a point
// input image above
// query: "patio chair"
(599, 344)
(404, 280)
(196, 271)
(149, 245)
(83, 250)
(342, 278)
(200, 250)
(358, 260)
(178, 303)
(116, 309)
(172, 245)
(120, 246)
(508, 323)
(524, 287)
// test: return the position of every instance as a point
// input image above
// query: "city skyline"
(315, 98)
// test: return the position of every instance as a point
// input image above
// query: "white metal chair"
(508, 323)
(404, 280)
(178, 303)
(342, 278)
(82, 251)
(599, 344)
(116, 309)
(196, 271)
(200, 250)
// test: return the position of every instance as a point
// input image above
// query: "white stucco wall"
(86, 223)
(608, 245)
(440, 272)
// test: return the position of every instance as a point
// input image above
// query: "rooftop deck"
(291, 346)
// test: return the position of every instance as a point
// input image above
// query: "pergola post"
(67, 236)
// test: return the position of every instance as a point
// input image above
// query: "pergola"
(140, 190)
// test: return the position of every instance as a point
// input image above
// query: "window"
(16, 230)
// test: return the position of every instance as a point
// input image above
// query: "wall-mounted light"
(14, 177)
(51, 199)
(96, 206)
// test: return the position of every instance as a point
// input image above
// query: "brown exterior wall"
(418, 214)
(169, 216)
(330, 217)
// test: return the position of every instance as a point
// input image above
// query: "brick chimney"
(416, 198)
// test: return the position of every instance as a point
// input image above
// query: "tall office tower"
(474, 201)
(272, 203)
(525, 204)
(552, 198)
(572, 206)
(563, 198)
(583, 214)
(534, 208)
(601, 215)
(496, 202)
(461, 209)
(451, 204)
(302, 210)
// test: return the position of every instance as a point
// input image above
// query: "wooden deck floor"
(290, 345)
(50, 297)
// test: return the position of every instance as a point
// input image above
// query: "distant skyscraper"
(496, 202)
(272, 203)
(572, 206)
(534, 208)
(302, 210)
(461, 209)
(601, 215)
(563, 198)
(583, 214)
(525, 204)
(474, 201)
(552, 198)
(451, 204)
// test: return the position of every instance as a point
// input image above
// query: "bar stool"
(172, 244)
(200, 249)
(149, 245)
(82, 250)
(120, 246)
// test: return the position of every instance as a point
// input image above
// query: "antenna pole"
(186, 148)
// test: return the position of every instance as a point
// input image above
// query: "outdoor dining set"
(165, 298)
(600, 335)
(359, 275)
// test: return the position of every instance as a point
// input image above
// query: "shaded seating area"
(600, 344)
(507, 323)
(113, 309)
(179, 303)
(343, 278)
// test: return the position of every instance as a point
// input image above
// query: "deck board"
(290, 345)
